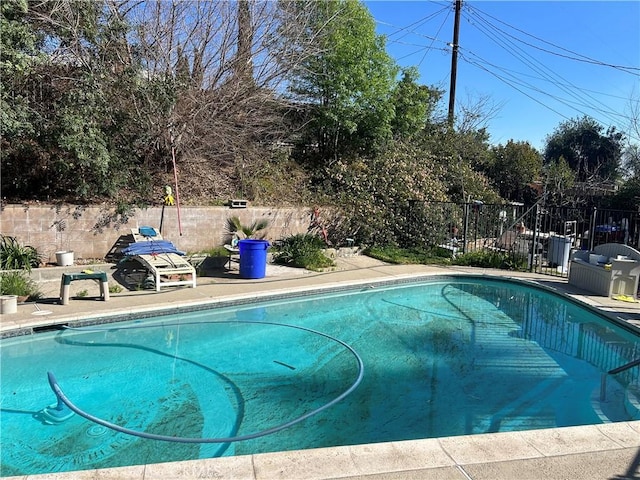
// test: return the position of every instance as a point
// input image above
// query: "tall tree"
(513, 167)
(236, 61)
(244, 55)
(75, 97)
(559, 180)
(628, 197)
(348, 85)
(591, 152)
(122, 81)
(631, 156)
(413, 103)
(18, 56)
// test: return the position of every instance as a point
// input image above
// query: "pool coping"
(116, 315)
(610, 449)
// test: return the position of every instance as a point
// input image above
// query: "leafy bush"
(14, 256)
(488, 259)
(302, 251)
(377, 194)
(18, 283)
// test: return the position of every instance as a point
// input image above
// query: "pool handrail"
(614, 371)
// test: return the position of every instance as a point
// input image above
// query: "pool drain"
(96, 431)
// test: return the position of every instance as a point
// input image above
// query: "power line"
(431, 45)
(519, 90)
(411, 27)
(407, 31)
(574, 56)
(515, 83)
(571, 90)
(483, 64)
(573, 97)
(524, 74)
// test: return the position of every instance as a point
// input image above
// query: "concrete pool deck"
(606, 451)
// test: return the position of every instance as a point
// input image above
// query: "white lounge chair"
(160, 257)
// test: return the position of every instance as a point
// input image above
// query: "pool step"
(632, 402)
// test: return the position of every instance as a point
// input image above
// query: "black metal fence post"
(465, 238)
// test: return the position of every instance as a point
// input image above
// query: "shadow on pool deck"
(607, 451)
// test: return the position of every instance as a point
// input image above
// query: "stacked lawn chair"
(166, 264)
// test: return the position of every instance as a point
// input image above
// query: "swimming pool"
(448, 357)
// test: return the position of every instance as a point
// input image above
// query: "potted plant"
(212, 259)
(216, 258)
(64, 258)
(18, 284)
(236, 229)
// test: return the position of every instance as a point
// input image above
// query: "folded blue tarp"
(147, 231)
(151, 247)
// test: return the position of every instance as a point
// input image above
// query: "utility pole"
(454, 62)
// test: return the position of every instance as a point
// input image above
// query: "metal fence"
(540, 237)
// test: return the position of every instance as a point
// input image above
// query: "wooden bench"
(99, 277)
(617, 275)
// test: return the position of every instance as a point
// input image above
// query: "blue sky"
(541, 63)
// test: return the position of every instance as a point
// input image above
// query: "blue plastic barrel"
(253, 258)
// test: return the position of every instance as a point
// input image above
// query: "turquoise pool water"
(444, 357)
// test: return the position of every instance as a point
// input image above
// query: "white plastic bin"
(8, 304)
(559, 250)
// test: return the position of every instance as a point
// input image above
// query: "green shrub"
(302, 251)
(14, 256)
(489, 259)
(18, 283)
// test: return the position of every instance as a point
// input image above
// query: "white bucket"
(8, 304)
(64, 258)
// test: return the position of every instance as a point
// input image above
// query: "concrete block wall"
(86, 231)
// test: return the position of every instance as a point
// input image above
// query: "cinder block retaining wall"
(87, 231)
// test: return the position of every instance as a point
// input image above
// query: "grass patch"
(409, 256)
(442, 256)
